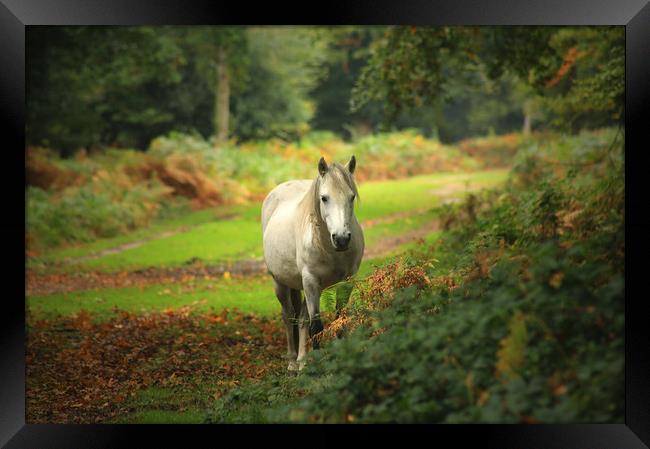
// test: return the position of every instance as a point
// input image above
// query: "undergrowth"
(514, 315)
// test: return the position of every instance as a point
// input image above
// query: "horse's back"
(278, 230)
(287, 194)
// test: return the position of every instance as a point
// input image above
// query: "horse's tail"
(296, 300)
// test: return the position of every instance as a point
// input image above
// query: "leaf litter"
(79, 371)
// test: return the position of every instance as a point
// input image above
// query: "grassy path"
(414, 224)
(233, 233)
(202, 264)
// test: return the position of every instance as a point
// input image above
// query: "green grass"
(165, 405)
(381, 198)
(158, 227)
(253, 294)
(211, 242)
(374, 234)
(159, 405)
(149, 402)
(190, 416)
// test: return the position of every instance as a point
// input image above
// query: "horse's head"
(336, 193)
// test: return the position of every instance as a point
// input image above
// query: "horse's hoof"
(301, 365)
(293, 366)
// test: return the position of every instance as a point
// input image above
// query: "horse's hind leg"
(289, 315)
(296, 301)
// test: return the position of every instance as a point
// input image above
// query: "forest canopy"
(92, 87)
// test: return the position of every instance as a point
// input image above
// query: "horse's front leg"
(309, 321)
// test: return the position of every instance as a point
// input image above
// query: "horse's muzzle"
(341, 241)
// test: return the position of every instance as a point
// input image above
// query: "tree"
(222, 59)
(81, 80)
(287, 62)
(122, 86)
(222, 100)
(347, 54)
(409, 66)
(578, 72)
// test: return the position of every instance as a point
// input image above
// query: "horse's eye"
(352, 198)
(324, 198)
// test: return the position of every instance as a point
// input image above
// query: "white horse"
(312, 240)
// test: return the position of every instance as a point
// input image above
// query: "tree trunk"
(526, 128)
(222, 100)
(528, 119)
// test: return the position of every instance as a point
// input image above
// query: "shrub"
(81, 214)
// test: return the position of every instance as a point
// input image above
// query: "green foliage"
(348, 53)
(577, 74)
(87, 97)
(250, 404)
(258, 165)
(261, 165)
(592, 94)
(89, 212)
(286, 63)
(123, 86)
(469, 103)
(524, 50)
(408, 65)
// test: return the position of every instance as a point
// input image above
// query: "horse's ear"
(322, 166)
(351, 164)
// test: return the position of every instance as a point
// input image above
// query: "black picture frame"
(15, 15)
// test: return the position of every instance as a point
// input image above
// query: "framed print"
(375, 213)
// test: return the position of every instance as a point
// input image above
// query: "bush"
(82, 214)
